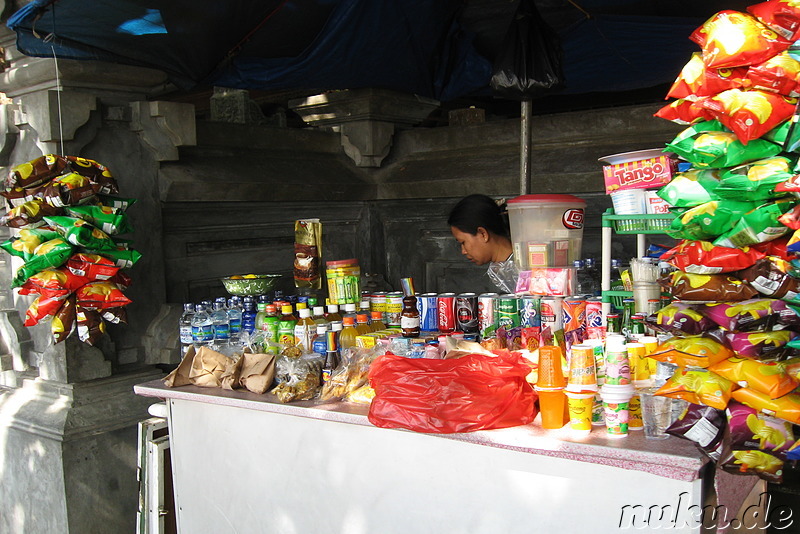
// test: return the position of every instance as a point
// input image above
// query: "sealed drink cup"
(616, 405)
(552, 406)
(618, 367)
(640, 366)
(582, 374)
(635, 412)
(580, 406)
(551, 374)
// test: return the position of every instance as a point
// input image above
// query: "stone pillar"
(68, 414)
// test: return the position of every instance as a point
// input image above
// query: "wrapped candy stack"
(65, 217)
(735, 323)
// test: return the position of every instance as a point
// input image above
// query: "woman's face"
(475, 247)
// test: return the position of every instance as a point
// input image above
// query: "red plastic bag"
(475, 392)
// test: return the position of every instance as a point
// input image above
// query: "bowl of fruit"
(249, 284)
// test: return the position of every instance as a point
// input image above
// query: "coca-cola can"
(429, 312)
(467, 313)
(487, 323)
(446, 304)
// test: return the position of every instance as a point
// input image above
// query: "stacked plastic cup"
(581, 388)
(618, 389)
(550, 387)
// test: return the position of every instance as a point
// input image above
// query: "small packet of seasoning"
(691, 188)
(703, 257)
(703, 425)
(708, 287)
(110, 220)
(307, 253)
(769, 378)
(36, 172)
(758, 225)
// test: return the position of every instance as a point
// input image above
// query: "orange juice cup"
(580, 410)
(551, 374)
(582, 374)
(552, 405)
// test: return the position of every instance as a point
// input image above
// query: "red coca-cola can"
(467, 313)
(446, 312)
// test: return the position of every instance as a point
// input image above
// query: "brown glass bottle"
(409, 317)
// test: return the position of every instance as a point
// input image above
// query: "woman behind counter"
(481, 228)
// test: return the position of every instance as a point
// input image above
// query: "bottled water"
(234, 319)
(219, 318)
(202, 328)
(185, 323)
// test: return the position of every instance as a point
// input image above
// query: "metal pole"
(526, 111)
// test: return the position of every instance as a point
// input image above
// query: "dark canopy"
(436, 48)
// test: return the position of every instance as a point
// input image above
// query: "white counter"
(246, 463)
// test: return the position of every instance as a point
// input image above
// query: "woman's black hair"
(475, 211)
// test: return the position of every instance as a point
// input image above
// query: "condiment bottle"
(377, 321)
(362, 324)
(409, 317)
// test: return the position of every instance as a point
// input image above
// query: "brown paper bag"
(258, 372)
(207, 368)
(180, 375)
(230, 378)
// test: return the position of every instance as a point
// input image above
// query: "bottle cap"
(333, 308)
(270, 308)
(286, 309)
(376, 316)
(322, 328)
(304, 313)
(362, 318)
(301, 305)
(319, 310)
(350, 307)
(349, 321)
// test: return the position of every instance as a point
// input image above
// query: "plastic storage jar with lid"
(546, 230)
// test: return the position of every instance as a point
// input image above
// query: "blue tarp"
(415, 46)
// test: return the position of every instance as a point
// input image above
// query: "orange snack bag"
(698, 386)
(769, 378)
(786, 407)
(734, 39)
(694, 351)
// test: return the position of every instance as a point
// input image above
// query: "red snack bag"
(684, 111)
(40, 308)
(64, 322)
(734, 39)
(791, 218)
(101, 295)
(702, 257)
(697, 80)
(776, 247)
(783, 17)
(92, 266)
(779, 74)
(54, 283)
(750, 114)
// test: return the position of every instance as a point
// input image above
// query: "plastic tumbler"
(640, 367)
(618, 367)
(616, 401)
(656, 414)
(582, 374)
(551, 374)
(552, 406)
(635, 412)
(598, 414)
(580, 405)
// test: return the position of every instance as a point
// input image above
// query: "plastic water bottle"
(234, 319)
(219, 318)
(248, 315)
(185, 323)
(202, 328)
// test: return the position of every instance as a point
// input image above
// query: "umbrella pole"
(525, 147)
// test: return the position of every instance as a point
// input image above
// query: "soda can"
(394, 308)
(507, 311)
(377, 303)
(487, 322)
(550, 310)
(594, 318)
(574, 312)
(446, 315)
(467, 313)
(529, 314)
(428, 315)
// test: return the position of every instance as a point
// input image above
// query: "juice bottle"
(350, 310)
(270, 323)
(304, 329)
(362, 324)
(347, 337)
(319, 315)
(261, 308)
(377, 321)
(333, 316)
(320, 342)
(286, 324)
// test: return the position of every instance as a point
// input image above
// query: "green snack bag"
(758, 226)
(110, 220)
(50, 254)
(755, 180)
(708, 145)
(80, 233)
(116, 202)
(691, 188)
(28, 239)
(708, 221)
(121, 256)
